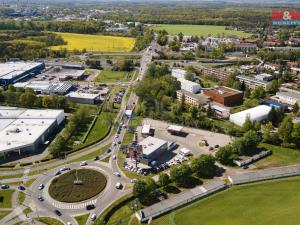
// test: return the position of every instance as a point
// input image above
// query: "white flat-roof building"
(85, 98)
(152, 149)
(24, 130)
(146, 130)
(258, 113)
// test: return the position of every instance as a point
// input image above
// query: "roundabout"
(77, 185)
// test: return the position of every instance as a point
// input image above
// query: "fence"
(180, 200)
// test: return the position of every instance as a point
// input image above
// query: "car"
(90, 207)
(119, 142)
(21, 188)
(119, 185)
(4, 186)
(116, 136)
(211, 148)
(114, 157)
(245, 167)
(97, 158)
(93, 217)
(69, 223)
(57, 173)
(65, 168)
(83, 163)
(41, 186)
(133, 180)
(40, 198)
(217, 146)
(117, 174)
(57, 212)
(108, 150)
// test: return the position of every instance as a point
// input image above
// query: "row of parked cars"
(138, 170)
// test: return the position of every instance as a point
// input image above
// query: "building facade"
(225, 95)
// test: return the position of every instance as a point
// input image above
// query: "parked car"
(97, 158)
(90, 207)
(4, 186)
(41, 186)
(217, 146)
(57, 212)
(114, 157)
(69, 223)
(40, 198)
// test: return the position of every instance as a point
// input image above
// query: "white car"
(83, 163)
(114, 157)
(69, 223)
(119, 186)
(41, 186)
(93, 217)
(117, 174)
(133, 180)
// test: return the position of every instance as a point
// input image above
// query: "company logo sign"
(286, 18)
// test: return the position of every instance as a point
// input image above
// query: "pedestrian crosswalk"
(82, 205)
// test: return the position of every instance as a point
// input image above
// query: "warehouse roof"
(10, 70)
(76, 94)
(151, 144)
(22, 127)
(223, 91)
(253, 113)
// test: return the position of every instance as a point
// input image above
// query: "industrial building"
(225, 95)
(84, 98)
(46, 87)
(24, 130)
(153, 148)
(287, 96)
(191, 99)
(12, 72)
(256, 114)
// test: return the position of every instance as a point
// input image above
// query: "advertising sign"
(286, 17)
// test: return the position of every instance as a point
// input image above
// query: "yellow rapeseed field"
(96, 43)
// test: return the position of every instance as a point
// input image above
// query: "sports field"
(96, 43)
(269, 203)
(200, 30)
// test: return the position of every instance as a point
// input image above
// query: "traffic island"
(77, 185)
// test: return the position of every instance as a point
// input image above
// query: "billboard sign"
(286, 17)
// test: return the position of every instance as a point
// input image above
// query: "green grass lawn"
(81, 220)
(269, 203)
(11, 176)
(50, 221)
(21, 197)
(200, 30)
(3, 214)
(63, 189)
(113, 76)
(280, 157)
(5, 198)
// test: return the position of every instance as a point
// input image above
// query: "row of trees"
(182, 176)
(29, 99)
(76, 122)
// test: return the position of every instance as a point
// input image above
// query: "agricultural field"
(200, 30)
(269, 203)
(96, 43)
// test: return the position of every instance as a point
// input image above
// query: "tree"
(145, 191)
(58, 146)
(295, 109)
(266, 130)
(285, 131)
(273, 86)
(163, 179)
(248, 125)
(204, 166)
(226, 155)
(258, 92)
(189, 76)
(181, 174)
(247, 145)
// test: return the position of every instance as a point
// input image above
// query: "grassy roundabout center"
(63, 188)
